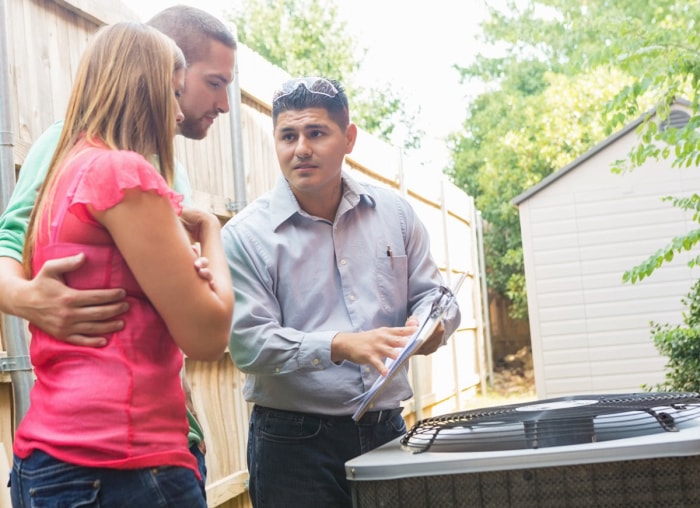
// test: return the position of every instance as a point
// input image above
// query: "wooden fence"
(45, 39)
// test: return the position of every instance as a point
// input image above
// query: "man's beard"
(192, 130)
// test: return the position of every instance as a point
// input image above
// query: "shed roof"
(545, 182)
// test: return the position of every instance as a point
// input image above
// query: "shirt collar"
(283, 204)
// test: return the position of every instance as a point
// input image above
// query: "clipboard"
(429, 322)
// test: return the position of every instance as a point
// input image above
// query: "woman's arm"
(157, 248)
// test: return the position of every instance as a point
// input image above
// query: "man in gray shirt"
(329, 274)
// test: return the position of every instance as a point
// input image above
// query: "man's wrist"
(12, 286)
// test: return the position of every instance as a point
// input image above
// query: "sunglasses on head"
(314, 85)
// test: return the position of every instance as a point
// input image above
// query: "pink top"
(120, 406)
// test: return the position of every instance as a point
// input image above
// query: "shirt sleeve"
(259, 344)
(110, 174)
(181, 183)
(15, 218)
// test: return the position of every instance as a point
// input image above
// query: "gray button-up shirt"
(299, 280)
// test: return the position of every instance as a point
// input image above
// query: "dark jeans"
(40, 481)
(201, 465)
(298, 459)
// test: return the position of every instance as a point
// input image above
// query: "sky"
(413, 45)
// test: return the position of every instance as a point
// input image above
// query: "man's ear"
(351, 137)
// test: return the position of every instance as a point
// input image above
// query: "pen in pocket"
(390, 254)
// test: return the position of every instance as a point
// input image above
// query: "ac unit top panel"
(392, 461)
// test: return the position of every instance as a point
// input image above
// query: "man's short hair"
(192, 29)
(312, 92)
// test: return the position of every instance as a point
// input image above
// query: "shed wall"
(590, 331)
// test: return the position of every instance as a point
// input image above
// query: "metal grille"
(649, 483)
(553, 422)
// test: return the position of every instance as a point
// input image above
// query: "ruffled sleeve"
(105, 177)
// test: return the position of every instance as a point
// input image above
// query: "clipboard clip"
(442, 300)
(445, 297)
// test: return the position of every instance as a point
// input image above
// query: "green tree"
(663, 57)
(657, 47)
(307, 38)
(681, 346)
(536, 120)
(568, 74)
(303, 37)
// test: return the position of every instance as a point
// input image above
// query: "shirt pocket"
(391, 270)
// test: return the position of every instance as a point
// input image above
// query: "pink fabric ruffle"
(108, 174)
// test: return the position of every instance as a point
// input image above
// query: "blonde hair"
(122, 96)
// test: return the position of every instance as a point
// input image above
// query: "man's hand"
(372, 347)
(432, 343)
(80, 317)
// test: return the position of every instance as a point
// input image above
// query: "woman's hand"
(201, 264)
(196, 222)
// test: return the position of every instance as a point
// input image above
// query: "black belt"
(374, 417)
(369, 418)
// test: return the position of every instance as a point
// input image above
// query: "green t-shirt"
(15, 218)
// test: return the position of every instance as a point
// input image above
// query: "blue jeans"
(201, 465)
(40, 481)
(297, 460)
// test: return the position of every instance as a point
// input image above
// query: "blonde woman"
(107, 426)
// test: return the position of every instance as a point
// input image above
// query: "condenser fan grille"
(554, 422)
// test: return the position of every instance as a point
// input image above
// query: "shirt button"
(277, 370)
(316, 361)
(352, 298)
(343, 262)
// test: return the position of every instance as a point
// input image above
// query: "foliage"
(664, 59)
(537, 122)
(382, 112)
(659, 49)
(681, 345)
(569, 73)
(303, 37)
(307, 38)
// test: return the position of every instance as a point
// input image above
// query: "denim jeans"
(201, 465)
(40, 481)
(297, 460)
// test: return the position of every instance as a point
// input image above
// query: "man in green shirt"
(87, 317)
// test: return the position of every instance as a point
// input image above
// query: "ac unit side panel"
(646, 483)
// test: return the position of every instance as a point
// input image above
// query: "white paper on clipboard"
(429, 321)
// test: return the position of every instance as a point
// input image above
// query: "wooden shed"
(40, 44)
(582, 228)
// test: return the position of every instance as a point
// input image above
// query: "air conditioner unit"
(625, 450)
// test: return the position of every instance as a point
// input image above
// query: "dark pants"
(201, 465)
(298, 459)
(43, 481)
